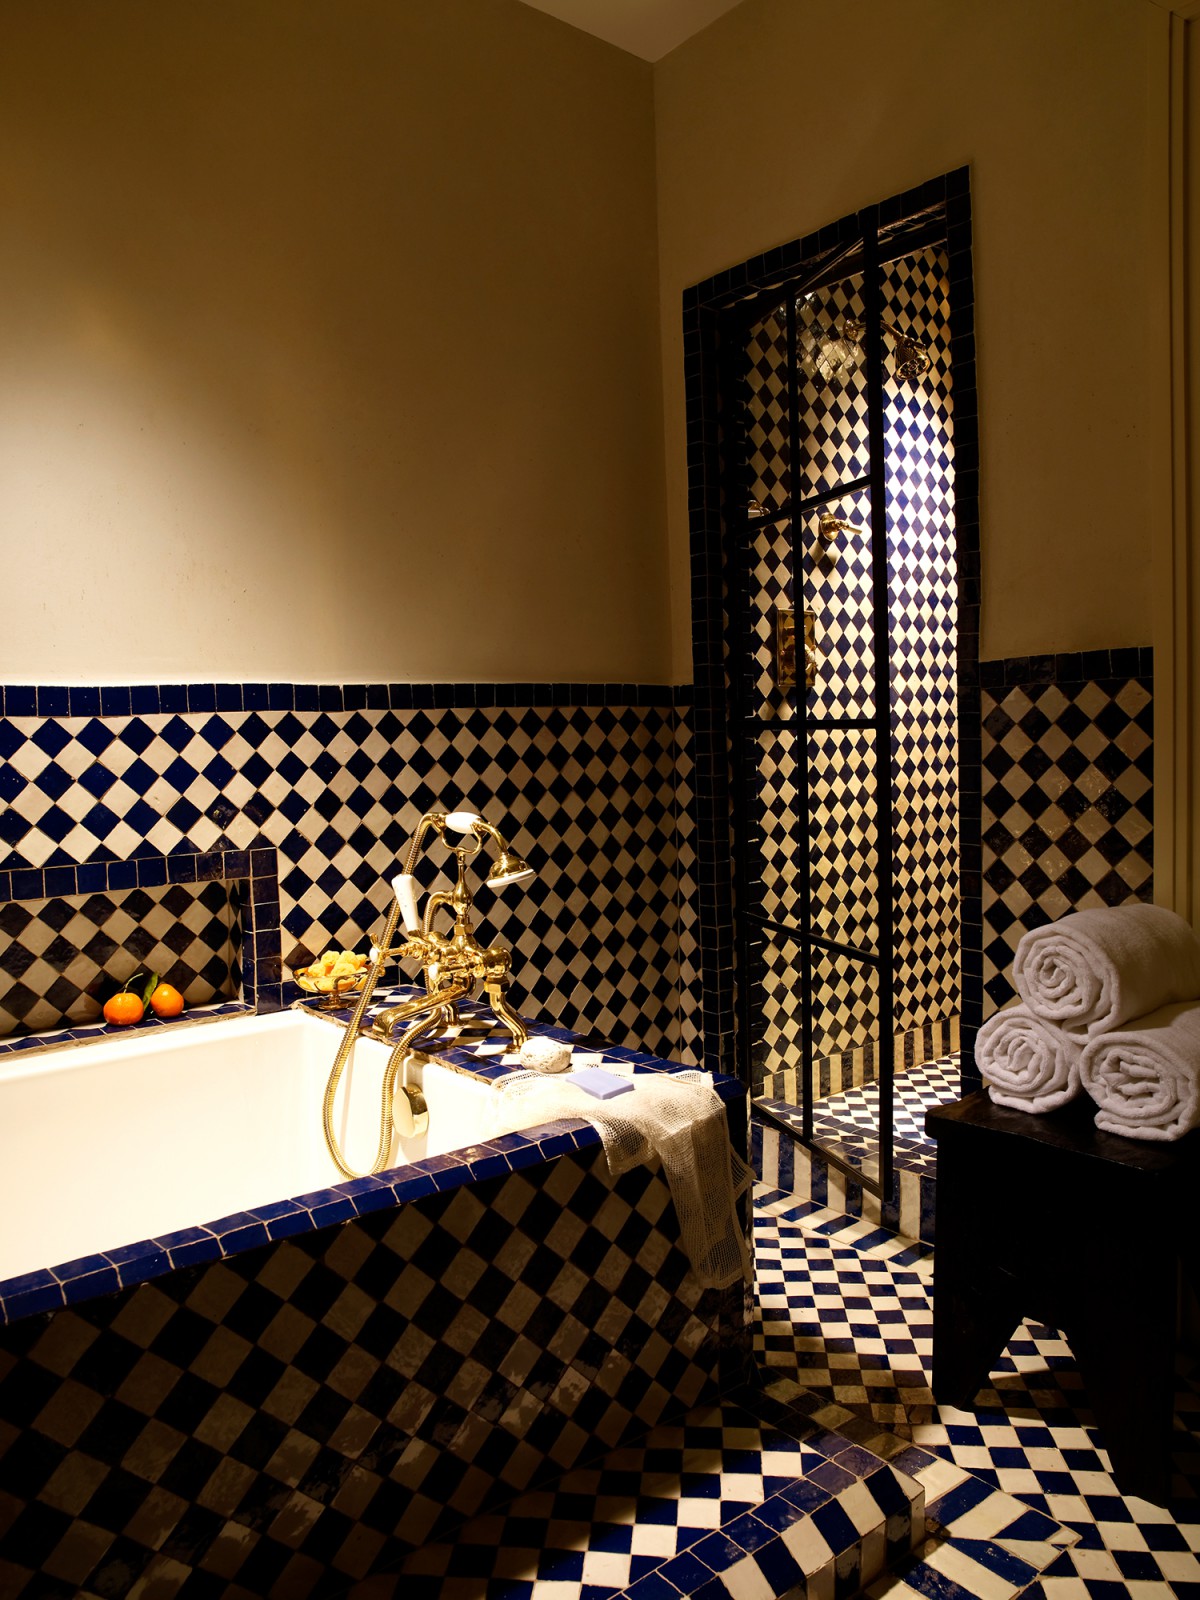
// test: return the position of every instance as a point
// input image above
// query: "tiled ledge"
(157, 699)
(71, 1282)
(95, 1032)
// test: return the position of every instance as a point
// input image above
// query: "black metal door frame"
(724, 961)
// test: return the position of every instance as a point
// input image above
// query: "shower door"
(810, 689)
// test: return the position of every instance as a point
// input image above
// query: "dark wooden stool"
(1050, 1218)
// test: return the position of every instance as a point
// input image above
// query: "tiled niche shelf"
(251, 876)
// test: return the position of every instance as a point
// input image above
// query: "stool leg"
(970, 1330)
(1125, 1347)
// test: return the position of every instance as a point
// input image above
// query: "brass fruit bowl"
(335, 976)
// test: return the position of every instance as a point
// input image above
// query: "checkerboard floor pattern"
(914, 1090)
(849, 1316)
(1018, 1495)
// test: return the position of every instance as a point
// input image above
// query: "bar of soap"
(600, 1084)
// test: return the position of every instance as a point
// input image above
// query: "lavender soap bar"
(598, 1083)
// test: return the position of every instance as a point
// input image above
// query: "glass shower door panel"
(832, 387)
(778, 830)
(766, 412)
(837, 590)
(833, 829)
(778, 1049)
(843, 811)
(846, 1023)
(771, 694)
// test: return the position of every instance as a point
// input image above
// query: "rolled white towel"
(1094, 970)
(1027, 1064)
(1145, 1079)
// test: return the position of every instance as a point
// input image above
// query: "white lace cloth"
(677, 1117)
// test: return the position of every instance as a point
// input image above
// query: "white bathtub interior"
(104, 1145)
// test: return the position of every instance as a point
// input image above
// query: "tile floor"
(848, 1315)
(1019, 1500)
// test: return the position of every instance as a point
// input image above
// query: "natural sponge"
(545, 1055)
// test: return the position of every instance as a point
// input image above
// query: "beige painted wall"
(323, 325)
(786, 115)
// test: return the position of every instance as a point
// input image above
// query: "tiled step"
(749, 1499)
(845, 1123)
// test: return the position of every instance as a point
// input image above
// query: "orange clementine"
(123, 1009)
(166, 1001)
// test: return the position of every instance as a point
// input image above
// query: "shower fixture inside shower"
(833, 352)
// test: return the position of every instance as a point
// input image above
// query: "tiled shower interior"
(805, 569)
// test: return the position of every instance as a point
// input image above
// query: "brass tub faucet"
(454, 965)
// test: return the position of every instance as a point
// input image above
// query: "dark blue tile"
(202, 697)
(686, 1572)
(251, 1233)
(105, 1280)
(61, 880)
(85, 702)
(654, 1586)
(229, 696)
(337, 1209)
(718, 1551)
(115, 701)
(21, 700)
(28, 883)
(413, 1185)
(143, 699)
(189, 1246)
(285, 1226)
(172, 697)
(958, 1501)
(53, 700)
(32, 1301)
(780, 1568)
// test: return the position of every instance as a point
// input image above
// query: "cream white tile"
(745, 1581)
(606, 1567)
(956, 1565)
(652, 1539)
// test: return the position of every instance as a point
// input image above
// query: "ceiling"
(646, 28)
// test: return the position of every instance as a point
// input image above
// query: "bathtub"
(222, 1362)
(150, 1135)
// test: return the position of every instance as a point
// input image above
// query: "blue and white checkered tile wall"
(589, 782)
(923, 633)
(1068, 772)
(283, 1420)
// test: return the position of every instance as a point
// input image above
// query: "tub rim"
(108, 1272)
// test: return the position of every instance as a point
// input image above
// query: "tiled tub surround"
(1067, 794)
(582, 779)
(279, 1401)
(923, 615)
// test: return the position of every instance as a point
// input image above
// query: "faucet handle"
(404, 887)
(462, 821)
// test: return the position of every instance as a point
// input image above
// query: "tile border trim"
(163, 699)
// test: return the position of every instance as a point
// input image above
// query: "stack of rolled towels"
(1109, 1004)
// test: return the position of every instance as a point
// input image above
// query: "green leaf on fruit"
(149, 989)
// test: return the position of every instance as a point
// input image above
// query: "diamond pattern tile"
(842, 1318)
(836, 586)
(588, 793)
(280, 1421)
(1067, 808)
(59, 957)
